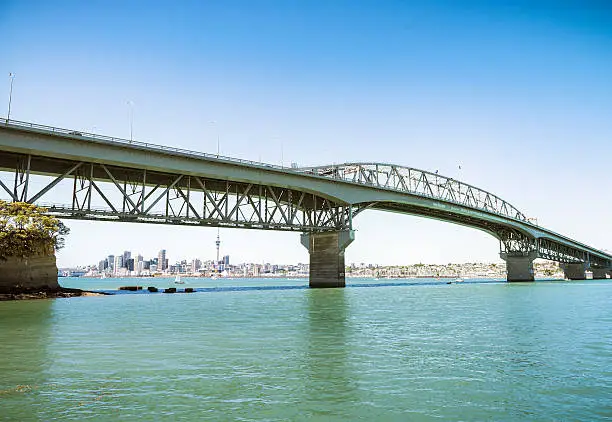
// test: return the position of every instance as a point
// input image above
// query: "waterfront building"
(196, 264)
(126, 256)
(118, 264)
(162, 262)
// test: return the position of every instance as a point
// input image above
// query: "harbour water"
(274, 350)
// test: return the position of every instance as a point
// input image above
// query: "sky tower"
(218, 243)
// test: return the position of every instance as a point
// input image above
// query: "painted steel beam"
(325, 196)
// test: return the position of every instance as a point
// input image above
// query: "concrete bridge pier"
(600, 273)
(575, 271)
(327, 257)
(520, 266)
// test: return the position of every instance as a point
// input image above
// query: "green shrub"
(25, 230)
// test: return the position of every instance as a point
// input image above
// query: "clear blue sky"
(519, 93)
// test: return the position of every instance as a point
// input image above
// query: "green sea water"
(274, 350)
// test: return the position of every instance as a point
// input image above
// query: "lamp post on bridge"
(216, 128)
(8, 115)
(131, 111)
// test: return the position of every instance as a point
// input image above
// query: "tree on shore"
(26, 231)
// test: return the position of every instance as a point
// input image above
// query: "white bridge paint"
(39, 140)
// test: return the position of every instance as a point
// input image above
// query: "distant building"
(162, 262)
(226, 260)
(110, 261)
(139, 267)
(126, 256)
(196, 264)
(118, 264)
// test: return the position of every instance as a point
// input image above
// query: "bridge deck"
(374, 185)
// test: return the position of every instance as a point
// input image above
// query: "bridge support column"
(600, 273)
(575, 271)
(327, 257)
(519, 267)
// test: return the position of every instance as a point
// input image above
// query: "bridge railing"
(418, 182)
(399, 178)
(122, 141)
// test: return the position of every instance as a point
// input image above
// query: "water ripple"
(397, 350)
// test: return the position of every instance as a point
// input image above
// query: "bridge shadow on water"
(328, 377)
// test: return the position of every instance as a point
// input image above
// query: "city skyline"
(171, 261)
(514, 100)
(124, 264)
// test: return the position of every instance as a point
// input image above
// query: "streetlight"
(8, 115)
(131, 105)
(282, 156)
(214, 123)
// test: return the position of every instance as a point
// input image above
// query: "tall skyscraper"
(111, 262)
(118, 263)
(196, 264)
(126, 256)
(161, 260)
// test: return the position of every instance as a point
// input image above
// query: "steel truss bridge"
(110, 179)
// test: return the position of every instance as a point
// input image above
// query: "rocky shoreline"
(47, 294)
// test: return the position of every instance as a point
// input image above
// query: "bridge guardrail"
(337, 172)
(122, 141)
(418, 182)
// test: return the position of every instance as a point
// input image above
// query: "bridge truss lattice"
(95, 191)
(420, 183)
(441, 188)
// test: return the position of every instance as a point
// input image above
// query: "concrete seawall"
(38, 272)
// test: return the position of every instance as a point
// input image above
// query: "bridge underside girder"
(518, 249)
(95, 191)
